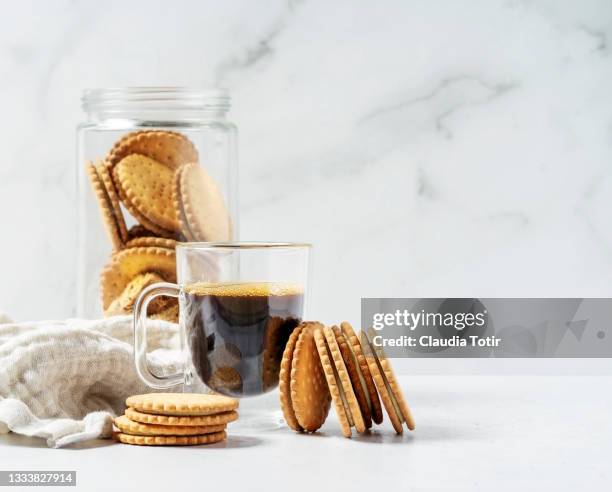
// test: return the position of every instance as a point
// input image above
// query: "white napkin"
(64, 381)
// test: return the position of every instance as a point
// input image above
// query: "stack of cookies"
(153, 179)
(175, 419)
(323, 364)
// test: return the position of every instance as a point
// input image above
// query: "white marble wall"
(446, 148)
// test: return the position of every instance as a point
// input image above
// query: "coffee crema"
(237, 332)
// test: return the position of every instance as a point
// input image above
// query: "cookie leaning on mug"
(310, 397)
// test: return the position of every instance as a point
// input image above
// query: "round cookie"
(170, 148)
(127, 426)
(310, 396)
(124, 304)
(202, 420)
(109, 219)
(127, 264)
(381, 385)
(393, 386)
(284, 381)
(145, 187)
(104, 172)
(354, 413)
(332, 382)
(200, 206)
(181, 403)
(355, 377)
(159, 242)
(171, 440)
(355, 345)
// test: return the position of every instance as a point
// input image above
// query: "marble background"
(426, 148)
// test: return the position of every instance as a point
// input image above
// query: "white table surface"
(473, 432)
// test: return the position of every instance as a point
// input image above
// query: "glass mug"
(238, 304)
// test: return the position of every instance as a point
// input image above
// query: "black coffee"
(237, 333)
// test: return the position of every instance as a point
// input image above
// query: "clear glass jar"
(155, 166)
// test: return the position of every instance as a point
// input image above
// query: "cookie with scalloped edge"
(159, 242)
(104, 172)
(171, 440)
(353, 411)
(284, 381)
(310, 396)
(145, 188)
(382, 385)
(127, 264)
(181, 403)
(186, 420)
(172, 149)
(124, 304)
(333, 382)
(128, 426)
(399, 401)
(200, 206)
(356, 379)
(355, 346)
(107, 214)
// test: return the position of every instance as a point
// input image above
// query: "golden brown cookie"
(284, 381)
(223, 418)
(145, 187)
(170, 148)
(333, 382)
(171, 440)
(106, 208)
(355, 345)
(352, 368)
(127, 264)
(160, 242)
(353, 411)
(381, 384)
(393, 386)
(182, 403)
(127, 426)
(170, 313)
(124, 304)
(310, 396)
(111, 190)
(199, 204)
(177, 201)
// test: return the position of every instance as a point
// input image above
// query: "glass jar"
(155, 166)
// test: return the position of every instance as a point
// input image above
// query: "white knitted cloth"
(63, 381)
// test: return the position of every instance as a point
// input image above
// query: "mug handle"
(140, 336)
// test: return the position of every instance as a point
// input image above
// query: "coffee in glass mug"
(238, 305)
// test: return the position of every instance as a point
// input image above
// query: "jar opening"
(162, 99)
